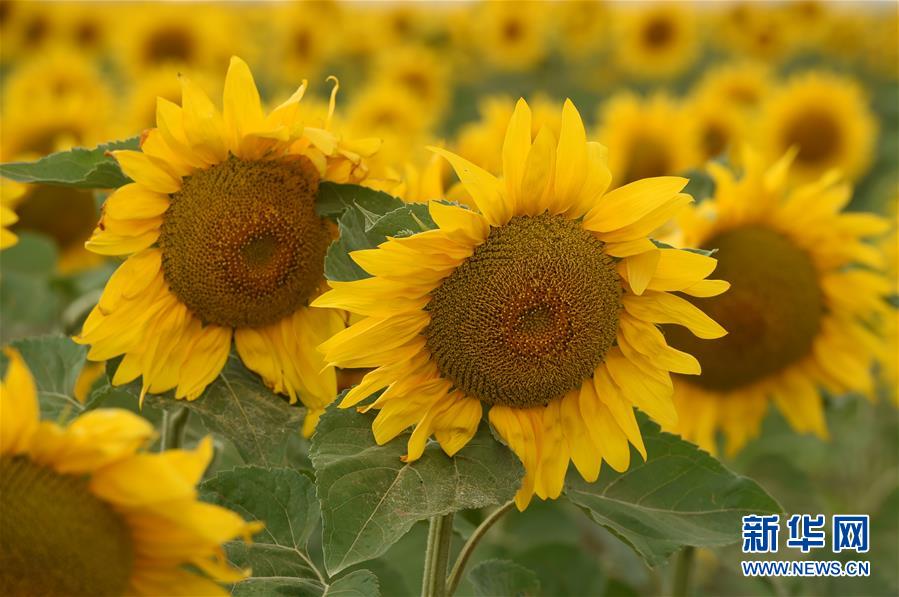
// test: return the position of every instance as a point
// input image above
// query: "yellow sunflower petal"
(586, 456)
(628, 204)
(483, 187)
(150, 172)
(662, 307)
(20, 413)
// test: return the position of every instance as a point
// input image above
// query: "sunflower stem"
(683, 572)
(172, 429)
(440, 534)
(455, 576)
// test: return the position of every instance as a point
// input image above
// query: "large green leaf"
(502, 578)
(29, 303)
(79, 167)
(261, 424)
(366, 219)
(679, 496)
(360, 583)
(370, 498)
(335, 198)
(284, 499)
(55, 362)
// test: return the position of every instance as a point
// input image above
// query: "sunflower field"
(477, 298)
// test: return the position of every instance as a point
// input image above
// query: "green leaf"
(334, 199)
(277, 585)
(679, 496)
(338, 264)
(407, 220)
(370, 498)
(701, 185)
(34, 255)
(360, 583)
(55, 363)
(366, 219)
(564, 569)
(284, 499)
(79, 167)
(502, 578)
(261, 424)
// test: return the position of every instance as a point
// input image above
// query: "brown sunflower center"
(529, 315)
(658, 33)
(647, 158)
(66, 215)
(772, 311)
(714, 140)
(241, 243)
(58, 538)
(169, 45)
(817, 134)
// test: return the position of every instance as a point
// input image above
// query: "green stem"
(683, 572)
(455, 576)
(440, 534)
(172, 429)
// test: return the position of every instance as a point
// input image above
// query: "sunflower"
(302, 44)
(27, 29)
(145, 91)
(582, 27)
(755, 31)
(421, 72)
(53, 103)
(714, 127)
(393, 114)
(839, 133)
(656, 42)
(647, 134)
(86, 512)
(803, 285)
(511, 35)
(195, 37)
(540, 305)
(62, 84)
(84, 28)
(224, 242)
(481, 141)
(741, 85)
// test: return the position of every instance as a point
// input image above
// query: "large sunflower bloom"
(85, 512)
(804, 284)
(224, 242)
(540, 305)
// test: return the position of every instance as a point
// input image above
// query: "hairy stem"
(683, 572)
(455, 576)
(440, 534)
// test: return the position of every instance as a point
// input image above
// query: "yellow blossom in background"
(838, 133)
(650, 137)
(656, 41)
(804, 286)
(187, 36)
(510, 35)
(741, 85)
